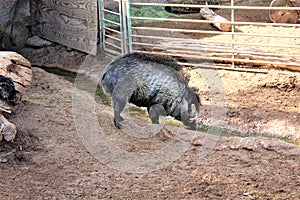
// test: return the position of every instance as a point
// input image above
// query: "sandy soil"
(259, 104)
(49, 159)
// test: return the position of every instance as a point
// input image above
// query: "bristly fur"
(160, 59)
(151, 81)
(135, 57)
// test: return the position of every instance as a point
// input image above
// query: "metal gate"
(114, 27)
(248, 43)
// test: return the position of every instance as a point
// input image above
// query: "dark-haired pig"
(151, 81)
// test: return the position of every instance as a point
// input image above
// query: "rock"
(36, 41)
(6, 10)
(197, 142)
(18, 35)
(165, 134)
(15, 17)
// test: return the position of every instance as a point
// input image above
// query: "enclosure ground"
(51, 161)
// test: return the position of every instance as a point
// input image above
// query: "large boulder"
(14, 19)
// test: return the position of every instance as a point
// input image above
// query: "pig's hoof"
(118, 125)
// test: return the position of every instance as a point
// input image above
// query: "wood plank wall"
(69, 22)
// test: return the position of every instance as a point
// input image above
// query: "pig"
(152, 81)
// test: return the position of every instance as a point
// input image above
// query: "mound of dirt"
(282, 81)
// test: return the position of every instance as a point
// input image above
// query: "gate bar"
(101, 24)
(217, 6)
(211, 41)
(208, 21)
(212, 32)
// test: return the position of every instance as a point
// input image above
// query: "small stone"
(165, 134)
(69, 49)
(246, 193)
(3, 160)
(197, 142)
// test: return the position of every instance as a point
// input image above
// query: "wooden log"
(8, 130)
(284, 16)
(218, 21)
(18, 68)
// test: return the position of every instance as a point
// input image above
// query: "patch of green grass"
(144, 11)
(111, 17)
(150, 11)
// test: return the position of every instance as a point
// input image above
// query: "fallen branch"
(218, 21)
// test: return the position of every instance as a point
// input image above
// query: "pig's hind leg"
(119, 104)
(155, 111)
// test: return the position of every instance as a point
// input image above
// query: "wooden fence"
(69, 22)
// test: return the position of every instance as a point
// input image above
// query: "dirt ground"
(51, 159)
(48, 160)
